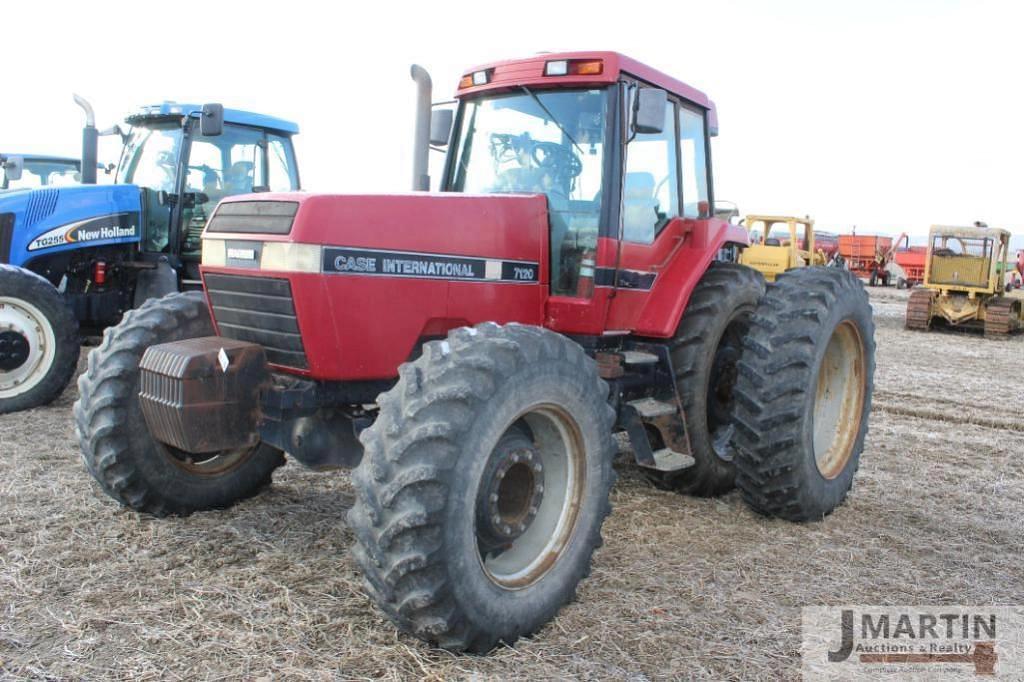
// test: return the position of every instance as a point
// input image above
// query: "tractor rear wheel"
(484, 485)
(705, 350)
(804, 393)
(129, 464)
(38, 341)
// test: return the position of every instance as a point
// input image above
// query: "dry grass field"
(683, 588)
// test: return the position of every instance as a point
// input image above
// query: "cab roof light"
(574, 67)
(475, 78)
(559, 68)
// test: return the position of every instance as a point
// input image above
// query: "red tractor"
(472, 351)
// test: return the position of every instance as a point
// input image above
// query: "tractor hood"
(448, 225)
(345, 287)
(50, 220)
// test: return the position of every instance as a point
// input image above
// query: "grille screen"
(259, 217)
(259, 310)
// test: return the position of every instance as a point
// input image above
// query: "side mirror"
(13, 166)
(211, 122)
(649, 117)
(441, 126)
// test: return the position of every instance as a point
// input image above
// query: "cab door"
(241, 160)
(664, 215)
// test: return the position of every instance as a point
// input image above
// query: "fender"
(673, 266)
(53, 220)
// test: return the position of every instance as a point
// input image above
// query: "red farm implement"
(867, 256)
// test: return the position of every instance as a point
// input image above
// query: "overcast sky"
(884, 114)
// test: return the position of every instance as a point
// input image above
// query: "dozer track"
(1000, 318)
(919, 309)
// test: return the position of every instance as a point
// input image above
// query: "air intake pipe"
(90, 143)
(421, 138)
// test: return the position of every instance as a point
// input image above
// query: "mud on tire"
(424, 540)
(125, 460)
(26, 299)
(803, 394)
(705, 350)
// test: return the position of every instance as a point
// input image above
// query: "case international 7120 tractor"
(485, 342)
(963, 284)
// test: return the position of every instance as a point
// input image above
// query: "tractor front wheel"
(129, 464)
(484, 485)
(804, 393)
(38, 340)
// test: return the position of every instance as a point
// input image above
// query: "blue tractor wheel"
(38, 340)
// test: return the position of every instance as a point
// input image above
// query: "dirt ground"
(682, 588)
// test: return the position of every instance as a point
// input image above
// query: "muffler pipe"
(421, 137)
(90, 142)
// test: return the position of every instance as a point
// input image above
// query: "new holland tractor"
(74, 258)
(485, 342)
(963, 284)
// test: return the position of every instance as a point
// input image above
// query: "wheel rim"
(207, 464)
(529, 502)
(721, 381)
(839, 400)
(30, 337)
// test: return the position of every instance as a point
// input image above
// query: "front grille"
(259, 310)
(6, 235)
(259, 217)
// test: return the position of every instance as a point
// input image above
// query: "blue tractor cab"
(37, 170)
(77, 257)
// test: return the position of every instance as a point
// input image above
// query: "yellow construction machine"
(963, 285)
(780, 243)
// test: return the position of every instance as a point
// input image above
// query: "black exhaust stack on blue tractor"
(90, 143)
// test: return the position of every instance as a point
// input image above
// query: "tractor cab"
(966, 259)
(620, 152)
(780, 243)
(20, 171)
(183, 169)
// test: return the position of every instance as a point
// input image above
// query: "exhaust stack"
(90, 143)
(421, 138)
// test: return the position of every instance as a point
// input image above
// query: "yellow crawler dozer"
(780, 243)
(963, 286)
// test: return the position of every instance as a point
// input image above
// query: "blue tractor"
(74, 258)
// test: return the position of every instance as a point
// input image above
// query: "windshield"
(150, 157)
(543, 142)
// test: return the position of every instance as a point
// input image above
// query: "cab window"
(651, 185)
(281, 175)
(547, 142)
(693, 159)
(218, 167)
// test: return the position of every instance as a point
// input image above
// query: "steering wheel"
(558, 159)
